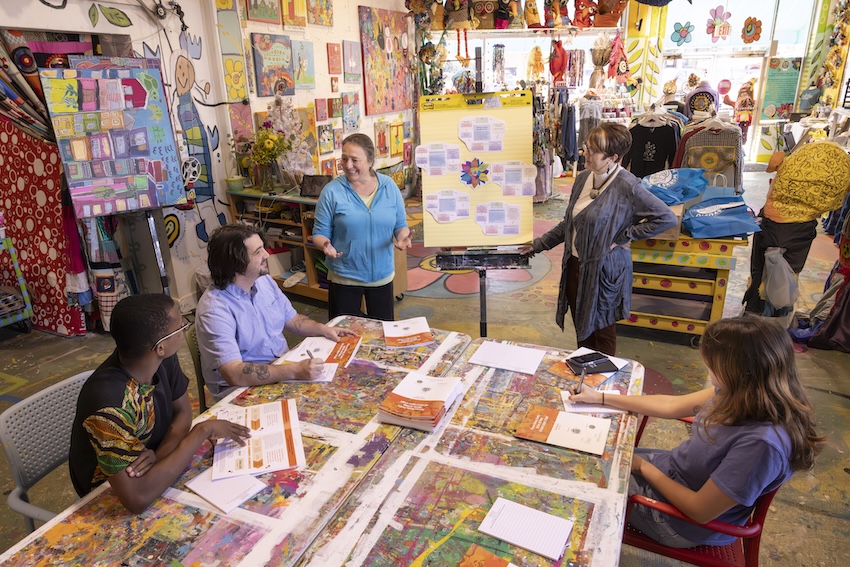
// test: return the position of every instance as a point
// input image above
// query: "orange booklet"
(340, 352)
(571, 430)
(407, 333)
(479, 557)
(419, 401)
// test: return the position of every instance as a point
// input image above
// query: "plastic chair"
(36, 438)
(743, 552)
(191, 335)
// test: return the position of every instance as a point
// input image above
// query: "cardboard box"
(673, 233)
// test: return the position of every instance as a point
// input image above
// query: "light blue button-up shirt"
(233, 324)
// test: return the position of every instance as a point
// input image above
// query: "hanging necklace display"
(499, 64)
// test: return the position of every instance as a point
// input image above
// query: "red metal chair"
(744, 552)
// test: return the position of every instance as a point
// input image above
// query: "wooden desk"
(375, 494)
(422, 504)
(342, 441)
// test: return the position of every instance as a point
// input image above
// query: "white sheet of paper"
(620, 363)
(508, 357)
(578, 407)
(327, 375)
(319, 347)
(580, 432)
(226, 494)
(527, 528)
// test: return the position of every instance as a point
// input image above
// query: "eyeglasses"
(588, 150)
(185, 326)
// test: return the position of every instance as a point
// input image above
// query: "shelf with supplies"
(680, 285)
(287, 220)
(15, 305)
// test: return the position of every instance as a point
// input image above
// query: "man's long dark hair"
(226, 252)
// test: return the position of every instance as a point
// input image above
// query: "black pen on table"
(310, 354)
(581, 380)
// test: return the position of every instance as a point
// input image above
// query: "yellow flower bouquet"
(268, 146)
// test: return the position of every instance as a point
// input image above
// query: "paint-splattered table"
(342, 442)
(422, 504)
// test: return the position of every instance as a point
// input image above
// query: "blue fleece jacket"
(364, 235)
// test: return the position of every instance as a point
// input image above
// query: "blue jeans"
(652, 523)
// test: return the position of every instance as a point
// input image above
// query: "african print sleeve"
(118, 434)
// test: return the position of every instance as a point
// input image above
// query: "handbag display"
(312, 185)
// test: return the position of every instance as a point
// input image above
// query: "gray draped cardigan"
(623, 213)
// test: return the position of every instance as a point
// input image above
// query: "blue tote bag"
(718, 218)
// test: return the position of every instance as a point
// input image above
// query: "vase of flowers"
(269, 144)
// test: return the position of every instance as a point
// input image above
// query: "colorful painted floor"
(813, 507)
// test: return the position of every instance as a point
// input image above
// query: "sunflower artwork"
(751, 31)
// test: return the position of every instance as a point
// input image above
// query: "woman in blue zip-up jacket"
(359, 217)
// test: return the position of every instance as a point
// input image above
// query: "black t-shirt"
(117, 418)
(652, 149)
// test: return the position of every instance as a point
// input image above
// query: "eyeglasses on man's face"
(182, 328)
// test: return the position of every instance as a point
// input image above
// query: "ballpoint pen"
(581, 380)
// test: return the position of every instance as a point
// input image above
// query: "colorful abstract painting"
(320, 12)
(334, 59)
(273, 64)
(440, 516)
(326, 139)
(114, 138)
(303, 64)
(387, 81)
(350, 113)
(352, 64)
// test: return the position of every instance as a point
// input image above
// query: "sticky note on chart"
(515, 178)
(438, 159)
(447, 206)
(497, 218)
(482, 133)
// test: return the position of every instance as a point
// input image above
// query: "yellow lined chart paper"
(478, 177)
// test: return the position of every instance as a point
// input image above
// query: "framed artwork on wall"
(263, 12)
(320, 12)
(335, 107)
(352, 64)
(273, 64)
(386, 81)
(303, 65)
(321, 109)
(334, 84)
(329, 166)
(337, 138)
(326, 138)
(382, 138)
(396, 139)
(334, 59)
(294, 13)
(350, 113)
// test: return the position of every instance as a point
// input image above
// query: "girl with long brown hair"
(753, 428)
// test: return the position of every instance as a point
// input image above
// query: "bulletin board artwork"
(352, 64)
(273, 64)
(114, 138)
(478, 176)
(387, 81)
(320, 12)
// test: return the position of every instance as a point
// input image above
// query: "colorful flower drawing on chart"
(682, 33)
(718, 24)
(751, 31)
(474, 173)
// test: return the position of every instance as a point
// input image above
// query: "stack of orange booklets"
(419, 401)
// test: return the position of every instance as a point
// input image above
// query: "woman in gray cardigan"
(608, 209)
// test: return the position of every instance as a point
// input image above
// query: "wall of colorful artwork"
(209, 67)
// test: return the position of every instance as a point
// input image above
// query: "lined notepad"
(527, 528)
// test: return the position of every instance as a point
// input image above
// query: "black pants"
(347, 299)
(795, 237)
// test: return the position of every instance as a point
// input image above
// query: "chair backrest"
(36, 432)
(191, 335)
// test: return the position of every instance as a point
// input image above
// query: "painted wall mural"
(387, 83)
